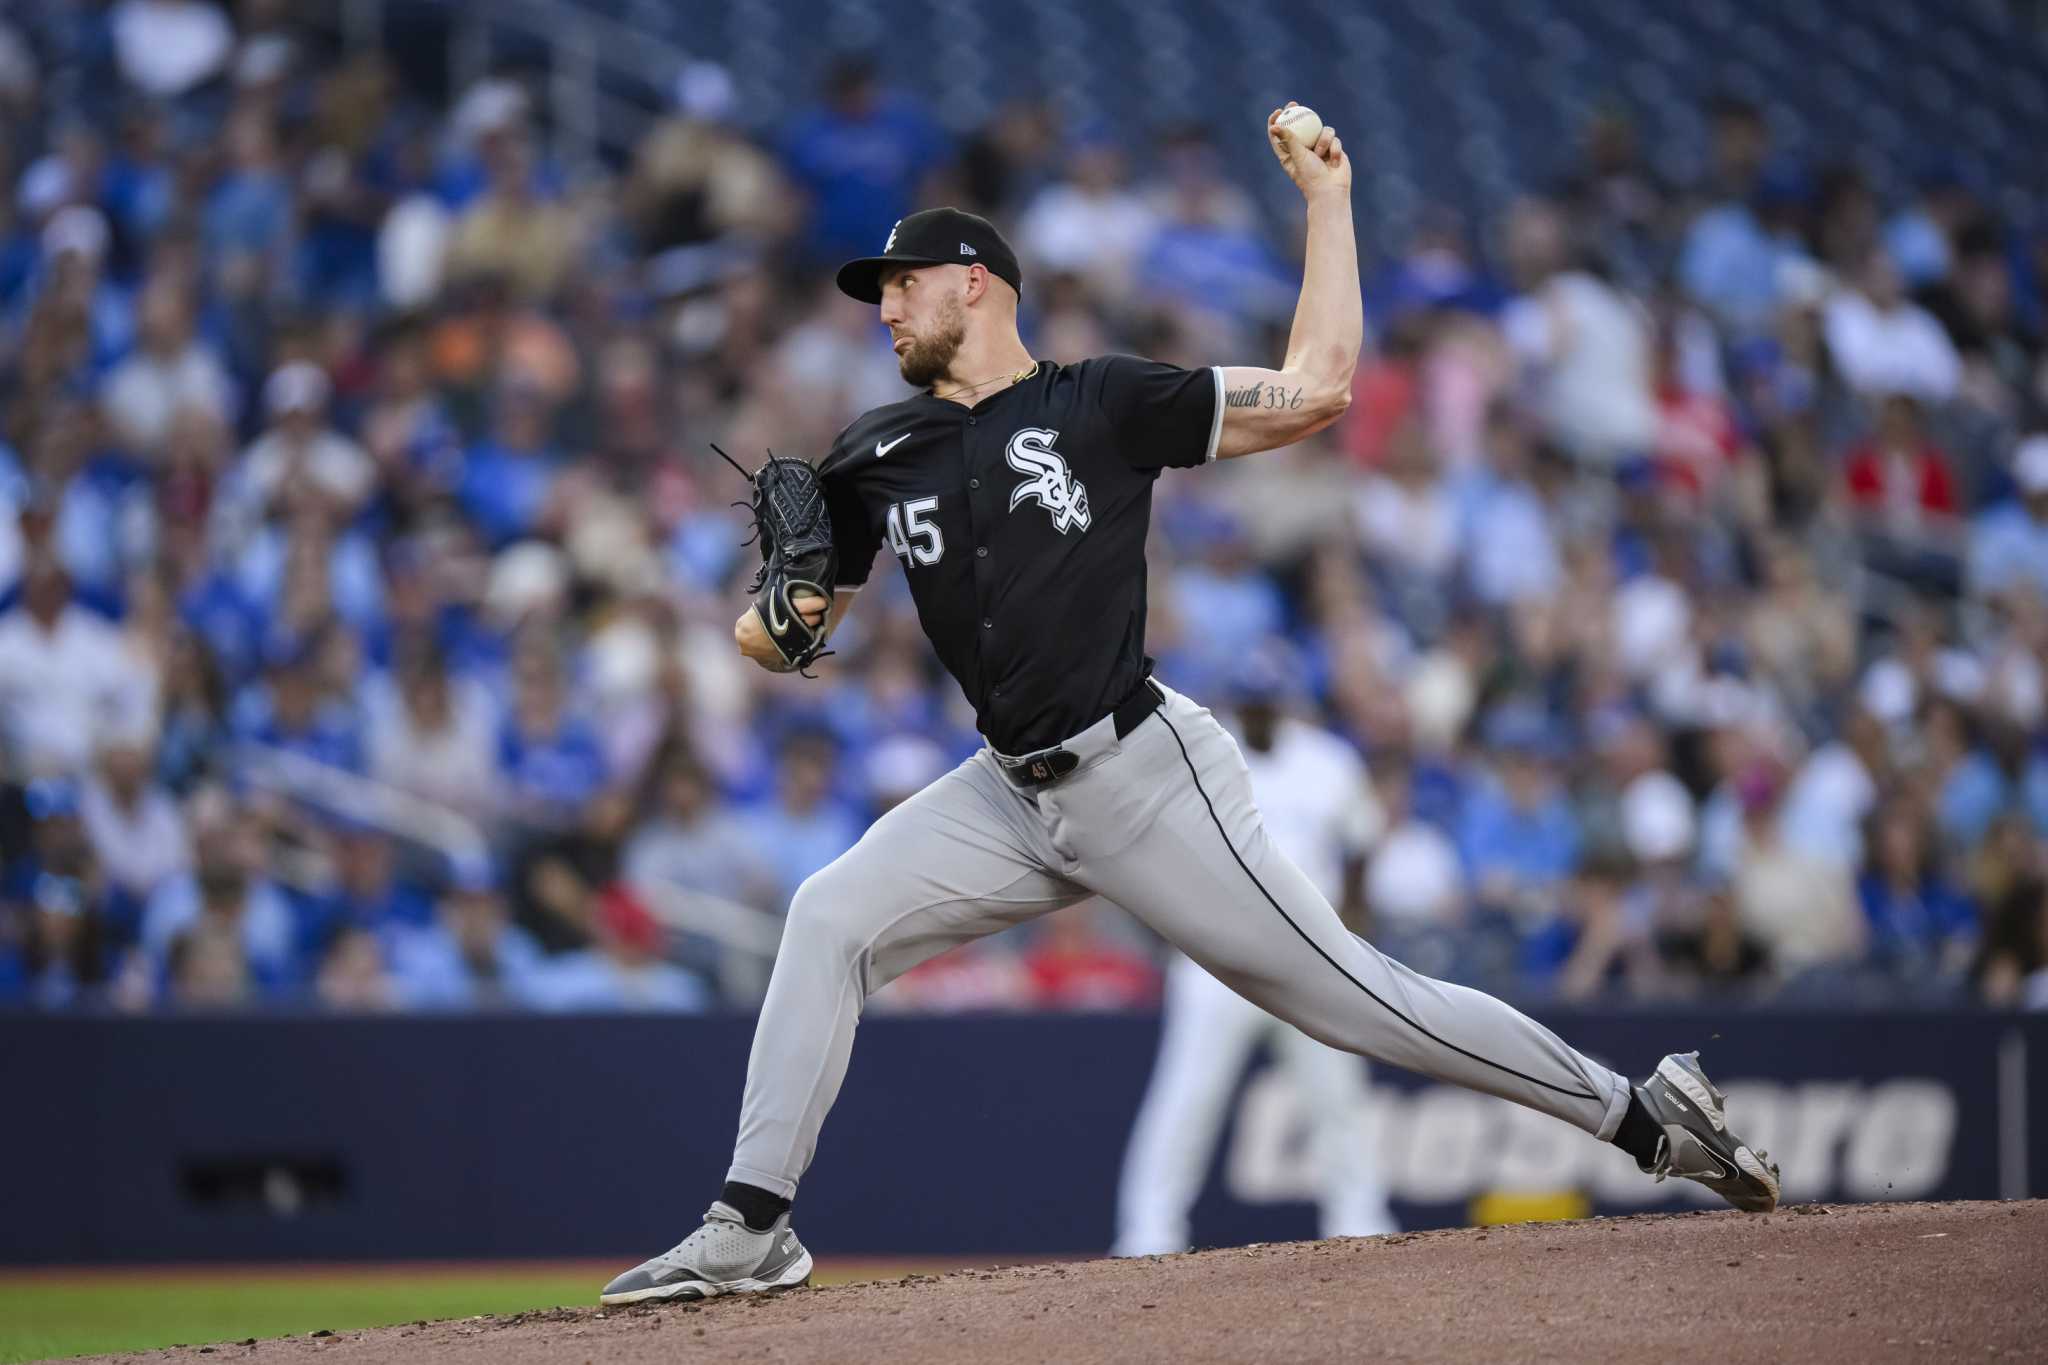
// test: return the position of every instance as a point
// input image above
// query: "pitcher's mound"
(1811, 1283)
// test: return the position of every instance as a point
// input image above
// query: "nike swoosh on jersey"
(884, 447)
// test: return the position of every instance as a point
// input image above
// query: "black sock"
(1639, 1134)
(755, 1204)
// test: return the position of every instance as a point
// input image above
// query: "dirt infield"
(1814, 1283)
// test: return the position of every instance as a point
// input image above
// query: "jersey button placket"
(984, 578)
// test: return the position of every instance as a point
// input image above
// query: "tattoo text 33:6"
(1263, 396)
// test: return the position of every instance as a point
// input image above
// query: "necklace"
(1016, 378)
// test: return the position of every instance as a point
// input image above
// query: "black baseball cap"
(933, 237)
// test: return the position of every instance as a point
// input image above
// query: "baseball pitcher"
(1017, 496)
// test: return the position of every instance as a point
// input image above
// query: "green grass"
(91, 1312)
(102, 1311)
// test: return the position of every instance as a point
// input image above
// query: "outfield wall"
(311, 1137)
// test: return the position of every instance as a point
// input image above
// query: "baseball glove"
(794, 529)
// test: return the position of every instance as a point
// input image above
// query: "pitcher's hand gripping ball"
(798, 559)
(1302, 122)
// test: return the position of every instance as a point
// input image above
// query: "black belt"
(1049, 765)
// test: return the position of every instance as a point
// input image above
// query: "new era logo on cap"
(965, 250)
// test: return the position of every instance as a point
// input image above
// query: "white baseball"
(1303, 123)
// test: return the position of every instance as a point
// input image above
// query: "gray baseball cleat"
(1697, 1143)
(724, 1256)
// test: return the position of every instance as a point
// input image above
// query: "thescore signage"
(1442, 1145)
(321, 1138)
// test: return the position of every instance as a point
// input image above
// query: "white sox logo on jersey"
(1051, 486)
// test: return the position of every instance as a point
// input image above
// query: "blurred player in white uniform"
(1311, 787)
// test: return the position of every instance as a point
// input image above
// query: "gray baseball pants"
(1162, 823)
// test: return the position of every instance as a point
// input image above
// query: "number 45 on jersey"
(912, 538)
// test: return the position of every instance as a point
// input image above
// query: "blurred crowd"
(1680, 569)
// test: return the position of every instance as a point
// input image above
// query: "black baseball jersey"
(1021, 526)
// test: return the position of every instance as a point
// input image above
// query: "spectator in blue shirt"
(470, 956)
(20, 251)
(896, 698)
(141, 183)
(1207, 257)
(551, 759)
(1222, 587)
(105, 523)
(862, 157)
(49, 957)
(1435, 271)
(1517, 833)
(1921, 926)
(366, 893)
(224, 627)
(54, 896)
(250, 213)
(1731, 257)
(2009, 544)
(1735, 259)
(1509, 546)
(98, 501)
(338, 249)
(509, 477)
(289, 712)
(693, 843)
(298, 579)
(625, 971)
(1918, 237)
(805, 826)
(226, 895)
(1972, 782)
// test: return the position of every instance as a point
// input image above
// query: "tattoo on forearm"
(1263, 396)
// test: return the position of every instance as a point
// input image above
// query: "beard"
(931, 354)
